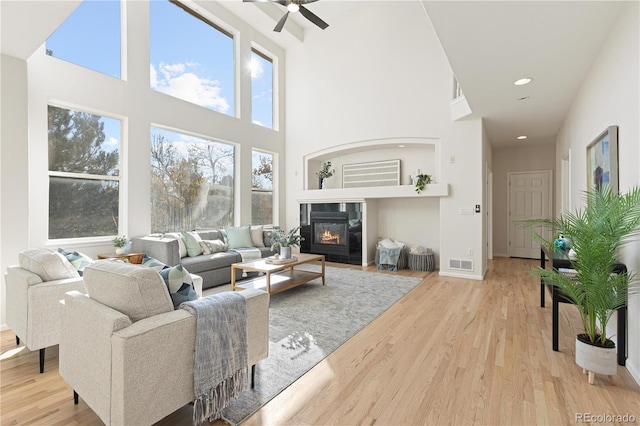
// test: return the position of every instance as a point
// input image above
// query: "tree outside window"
(84, 181)
(261, 188)
(191, 182)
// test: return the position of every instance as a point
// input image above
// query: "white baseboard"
(634, 370)
(4, 327)
(500, 255)
(458, 275)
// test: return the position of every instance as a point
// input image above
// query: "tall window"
(90, 37)
(191, 58)
(191, 182)
(84, 174)
(261, 89)
(261, 188)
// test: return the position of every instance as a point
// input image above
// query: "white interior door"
(529, 198)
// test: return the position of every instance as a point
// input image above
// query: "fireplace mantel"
(374, 192)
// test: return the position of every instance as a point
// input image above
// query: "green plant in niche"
(421, 180)
(326, 171)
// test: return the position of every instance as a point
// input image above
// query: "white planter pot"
(285, 252)
(596, 359)
(119, 250)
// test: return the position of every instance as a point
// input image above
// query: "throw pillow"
(181, 245)
(268, 238)
(215, 246)
(205, 248)
(239, 236)
(256, 236)
(179, 283)
(192, 241)
(152, 263)
(78, 260)
(47, 264)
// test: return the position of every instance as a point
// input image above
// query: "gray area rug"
(309, 322)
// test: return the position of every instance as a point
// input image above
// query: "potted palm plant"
(596, 233)
(283, 241)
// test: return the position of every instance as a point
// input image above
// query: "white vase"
(119, 250)
(285, 252)
(596, 359)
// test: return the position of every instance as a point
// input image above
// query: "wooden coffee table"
(278, 277)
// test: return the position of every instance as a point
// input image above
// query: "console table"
(558, 296)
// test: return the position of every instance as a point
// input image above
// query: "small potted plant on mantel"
(324, 173)
(283, 241)
(119, 243)
(422, 179)
(596, 233)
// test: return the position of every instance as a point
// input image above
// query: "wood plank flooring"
(453, 351)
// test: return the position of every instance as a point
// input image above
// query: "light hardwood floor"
(453, 351)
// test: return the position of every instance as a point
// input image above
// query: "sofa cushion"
(78, 260)
(256, 236)
(211, 234)
(192, 241)
(179, 283)
(47, 264)
(210, 262)
(181, 245)
(239, 236)
(136, 291)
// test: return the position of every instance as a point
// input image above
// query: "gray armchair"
(128, 353)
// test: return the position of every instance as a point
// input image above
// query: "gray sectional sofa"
(215, 268)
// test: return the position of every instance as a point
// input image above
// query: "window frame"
(273, 59)
(120, 178)
(273, 189)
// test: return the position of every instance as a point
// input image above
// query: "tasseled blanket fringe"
(209, 406)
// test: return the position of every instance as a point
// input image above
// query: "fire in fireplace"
(330, 233)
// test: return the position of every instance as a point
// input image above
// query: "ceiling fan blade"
(306, 1)
(281, 22)
(313, 17)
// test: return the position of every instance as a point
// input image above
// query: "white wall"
(381, 73)
(14, 204)
(27, 87)
(522, 158)
(610, 95)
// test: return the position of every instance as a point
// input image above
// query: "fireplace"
(335, 235)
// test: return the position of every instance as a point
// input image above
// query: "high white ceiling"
(489, 45)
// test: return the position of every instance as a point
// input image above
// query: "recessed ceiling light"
(400, 146)
(523, 81)
(523, 137)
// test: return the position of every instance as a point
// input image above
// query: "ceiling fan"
(292, 7)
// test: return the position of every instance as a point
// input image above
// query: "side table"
(127, 257)
(422, 261)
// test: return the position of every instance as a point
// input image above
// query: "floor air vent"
(461, 265)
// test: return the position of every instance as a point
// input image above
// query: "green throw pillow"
(154, 264)
(192, 241)
(78, 260)
(239, 236)
(179, 283)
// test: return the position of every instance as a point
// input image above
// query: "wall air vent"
(461, 265)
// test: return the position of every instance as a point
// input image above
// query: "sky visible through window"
(189, 59)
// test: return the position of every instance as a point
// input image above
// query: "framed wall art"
(602, 160)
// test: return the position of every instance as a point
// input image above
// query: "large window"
(191, 182)
(84, 174)
(261, 188)
(90, 37)
(191, 58)
(261, 89)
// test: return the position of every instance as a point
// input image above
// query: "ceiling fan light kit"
(294, 6)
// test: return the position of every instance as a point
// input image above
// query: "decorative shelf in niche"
(377, 173)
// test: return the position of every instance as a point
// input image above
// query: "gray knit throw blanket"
(220, 371)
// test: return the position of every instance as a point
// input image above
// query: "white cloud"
(176, 80)
(112, 142)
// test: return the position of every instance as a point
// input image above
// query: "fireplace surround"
(336, 234)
